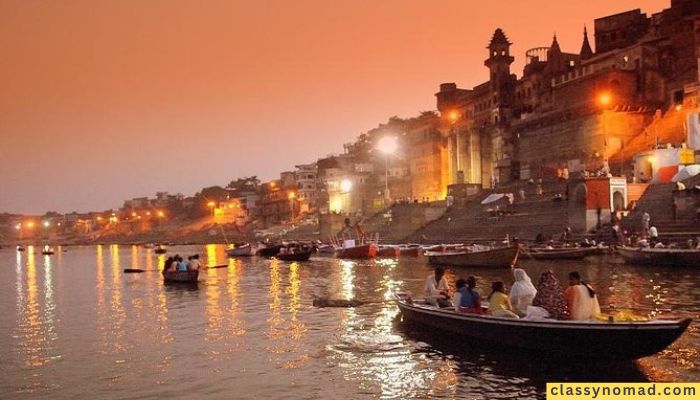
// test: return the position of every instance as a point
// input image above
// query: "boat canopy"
(687, 172)
(493, 198)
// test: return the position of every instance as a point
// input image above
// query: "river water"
(73, 325)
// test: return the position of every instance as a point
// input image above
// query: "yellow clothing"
(499, 301)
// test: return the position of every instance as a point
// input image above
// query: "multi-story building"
(306, 177)
(572, 109)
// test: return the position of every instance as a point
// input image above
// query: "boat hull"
(358, 252)
(300, 256)
(243, 251)
(496, 258)
(564, 254)
(566, 339)
(661, 257)
(388, 252)
(180, 276)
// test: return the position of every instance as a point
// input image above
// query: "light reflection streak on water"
(211, 256)
(161, 261)
(118, 314)
(100, 308)
(298, 329)
(49, 304)
(19, 283)
(213, 306)
(275, 319)
(347, 284)
(232, 287)
(34, 340)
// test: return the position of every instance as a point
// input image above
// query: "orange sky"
(106, 100)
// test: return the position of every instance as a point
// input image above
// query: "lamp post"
(387, 145)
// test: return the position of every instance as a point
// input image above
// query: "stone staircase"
(524, 219)
(657, 202)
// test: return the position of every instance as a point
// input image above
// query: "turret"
(586, 51)
(499, 60)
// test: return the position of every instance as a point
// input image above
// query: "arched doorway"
(618, 201)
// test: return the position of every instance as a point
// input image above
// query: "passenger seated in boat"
(457, 296)
(181, 264)
(522, 292)
(193, 263)
(436, 291)
(168, 265)
(549, 301)
(581, 299)
(499, 304)
(470, 300)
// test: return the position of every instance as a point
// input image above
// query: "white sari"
(584, 306)
(522, 292)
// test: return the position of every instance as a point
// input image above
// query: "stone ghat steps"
(473, 223)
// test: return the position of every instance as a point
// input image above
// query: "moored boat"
(411, 250)
(662, 257)
(160, 249)
(20, 248)
(48, 251)
(387, 252)
(270, 250)
(503, 257)
(180, 276)
(352, 251)
(327, 249)
(569, 339)
(240, 250)
(563, 253)
(302, 255)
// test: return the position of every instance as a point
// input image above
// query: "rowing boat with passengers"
(569, 339)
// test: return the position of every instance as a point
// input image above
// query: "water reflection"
(252, 325)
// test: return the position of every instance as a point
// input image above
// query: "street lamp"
(387, 145)
(604, 99)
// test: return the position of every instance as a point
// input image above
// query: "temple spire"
(586, 51)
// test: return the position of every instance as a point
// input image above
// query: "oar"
(218, 266)
(137, 270)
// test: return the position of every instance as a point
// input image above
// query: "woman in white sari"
(522, 292)
(581, 299)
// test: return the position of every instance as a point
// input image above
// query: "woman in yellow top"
(499, 303)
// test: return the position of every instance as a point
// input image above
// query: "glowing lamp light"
(679, 107)
(30, 224)
(99, 218)
(345, 185)
(605, 99)
(292, 195)
(47, 224)
(453, 116)
(133, 214)
(18, 226)
(210, 204)
(161, 214)
(387, 145)
(148, 213)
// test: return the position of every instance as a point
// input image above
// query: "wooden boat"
(327, 249)
(302, 255)
(160, 249)
(503, 257)
(180, 276)
(410, 251)
(363, 251)
(20, 248)
(48, 251)
(568, 339)
(240, 250)
(269, 250)
(388, 252)
(563, 253)
(662, 257)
